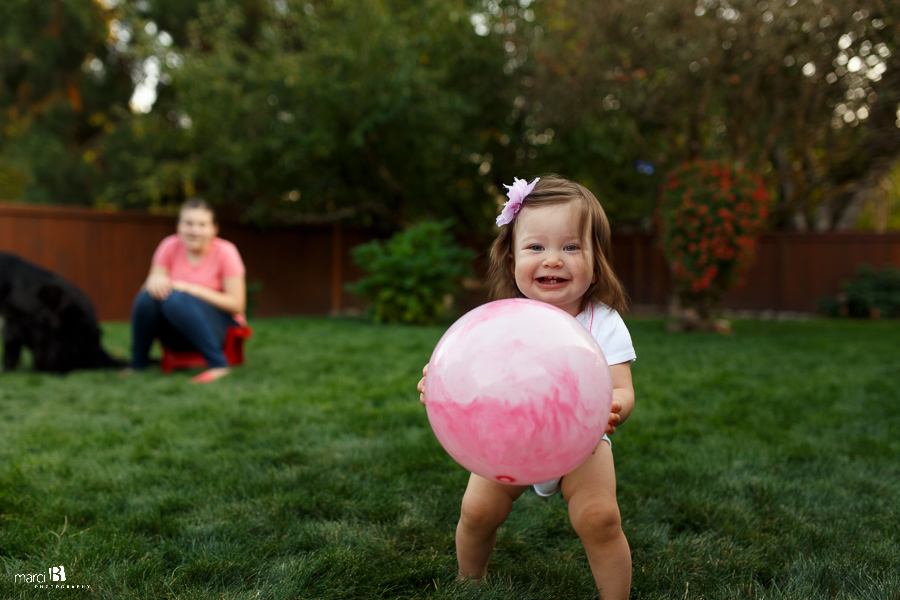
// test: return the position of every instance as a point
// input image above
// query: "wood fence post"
(337, 258)
(780, 270)
(639, 268)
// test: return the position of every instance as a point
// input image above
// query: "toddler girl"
(554, 247)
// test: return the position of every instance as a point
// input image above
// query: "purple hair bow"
(516, 194)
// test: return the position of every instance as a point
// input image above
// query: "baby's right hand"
(421, 385)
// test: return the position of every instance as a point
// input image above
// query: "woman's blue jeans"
(182, 323)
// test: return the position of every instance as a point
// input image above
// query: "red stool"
(233, 349)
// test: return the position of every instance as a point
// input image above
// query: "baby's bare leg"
(590, 491)
(485, 507)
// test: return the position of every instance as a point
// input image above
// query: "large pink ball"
(518, 391)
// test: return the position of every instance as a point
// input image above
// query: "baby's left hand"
(615, 419)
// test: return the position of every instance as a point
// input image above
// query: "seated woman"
(196, 289)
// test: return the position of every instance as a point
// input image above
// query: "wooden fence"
(302, 270)
(792, 271)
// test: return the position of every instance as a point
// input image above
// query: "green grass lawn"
(761, 465)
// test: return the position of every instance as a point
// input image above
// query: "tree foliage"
(806, 93)
(60, 80)
(285, 110)
(301, 111)
(391, 112)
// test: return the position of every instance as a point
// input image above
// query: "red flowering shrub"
(708, 219)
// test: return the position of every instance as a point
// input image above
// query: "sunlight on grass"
(756, 465)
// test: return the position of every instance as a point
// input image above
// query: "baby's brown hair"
(553, 190)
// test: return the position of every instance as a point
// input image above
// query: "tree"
(296, 112)
(805, 93)
(289, 110)
(61, 81)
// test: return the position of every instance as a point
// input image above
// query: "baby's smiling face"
(553, 258)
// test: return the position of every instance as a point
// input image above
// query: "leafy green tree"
(804, 92)
(62, 80)
(306, 111)
(389, 112)
(292, 111)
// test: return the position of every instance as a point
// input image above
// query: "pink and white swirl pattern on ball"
(518, 391)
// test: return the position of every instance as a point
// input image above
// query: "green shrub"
(871, 293)
(411, 276)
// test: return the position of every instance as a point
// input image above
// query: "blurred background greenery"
(389, 112)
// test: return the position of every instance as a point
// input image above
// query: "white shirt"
(609, 331)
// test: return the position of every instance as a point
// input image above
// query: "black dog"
(51, 317)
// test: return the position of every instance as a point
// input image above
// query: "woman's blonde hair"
(553, 190)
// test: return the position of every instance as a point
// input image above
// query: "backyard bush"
(414, 276)
(708, 219)
(753, 467)
(872, 293)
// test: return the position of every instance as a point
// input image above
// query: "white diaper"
(548, 488)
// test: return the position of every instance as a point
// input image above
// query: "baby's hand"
(615, 418)
(421, 385)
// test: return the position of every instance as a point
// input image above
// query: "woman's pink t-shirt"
(223, 260)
